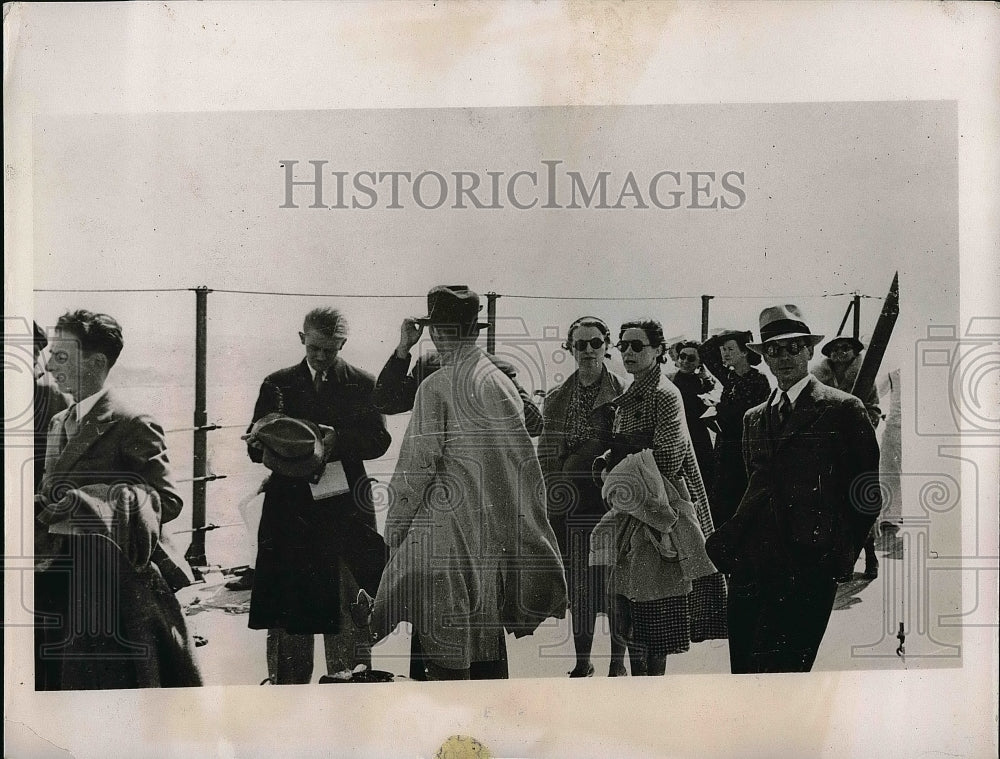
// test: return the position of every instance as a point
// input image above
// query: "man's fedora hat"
(853, 342)
(292, 447)
(452, 305)
(783, 323)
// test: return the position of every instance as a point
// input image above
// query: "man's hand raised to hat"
(329, 438)
(409, 334)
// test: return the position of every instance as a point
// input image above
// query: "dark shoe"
(577, 672)
(890, 529)
(617, 670)
(871, 568)
(243, 582)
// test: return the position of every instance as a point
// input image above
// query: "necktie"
(318, 381)
(784, 409)
(71, 425)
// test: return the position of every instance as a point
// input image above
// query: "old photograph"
(390, 395)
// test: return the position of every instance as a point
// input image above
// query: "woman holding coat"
(657, 610)
(576, 430)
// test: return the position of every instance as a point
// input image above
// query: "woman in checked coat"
(657, 615)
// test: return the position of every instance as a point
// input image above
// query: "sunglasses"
(635, 345)
(772, 350)
(594, 342)
(684, 357)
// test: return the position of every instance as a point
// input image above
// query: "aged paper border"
(733, 52)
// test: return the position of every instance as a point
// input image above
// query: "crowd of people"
(681, 518)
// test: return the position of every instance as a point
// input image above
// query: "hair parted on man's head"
(654, 333)
(328, 321)
(97, 333)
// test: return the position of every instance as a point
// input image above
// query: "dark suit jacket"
(300, 540)
(104, 497)
(812, 493)
(395, 389)
(115, 477)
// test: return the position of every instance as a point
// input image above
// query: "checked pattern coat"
(650, 414)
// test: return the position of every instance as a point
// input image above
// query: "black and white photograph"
(377, 347)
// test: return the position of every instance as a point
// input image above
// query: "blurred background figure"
(727, 356)
(693, 381)
(48, 401)
(891, 455)
(840, 369)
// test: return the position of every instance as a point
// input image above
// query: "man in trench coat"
(471, 551)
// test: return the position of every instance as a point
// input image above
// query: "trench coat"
(471, 550)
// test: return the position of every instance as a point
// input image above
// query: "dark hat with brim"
(292, 447)
(783, 323)
(452, 305)
(853, 342)
(740, 336)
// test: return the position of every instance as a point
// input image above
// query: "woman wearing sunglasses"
(576, 430)
(656, 610)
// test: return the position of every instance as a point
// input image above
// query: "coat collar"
(94, 424)
(336, 373)
(641, 386)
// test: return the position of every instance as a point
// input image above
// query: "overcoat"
(296, 583)
(395, 390)
(108, 617)
(650, 414)
(471, 551)
(574, 501)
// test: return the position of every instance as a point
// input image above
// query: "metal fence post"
(857, 315)
(491, 317)
(195, 554)
(704, 316)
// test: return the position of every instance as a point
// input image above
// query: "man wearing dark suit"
(107, 618)
(301, 581)
(812, 496)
